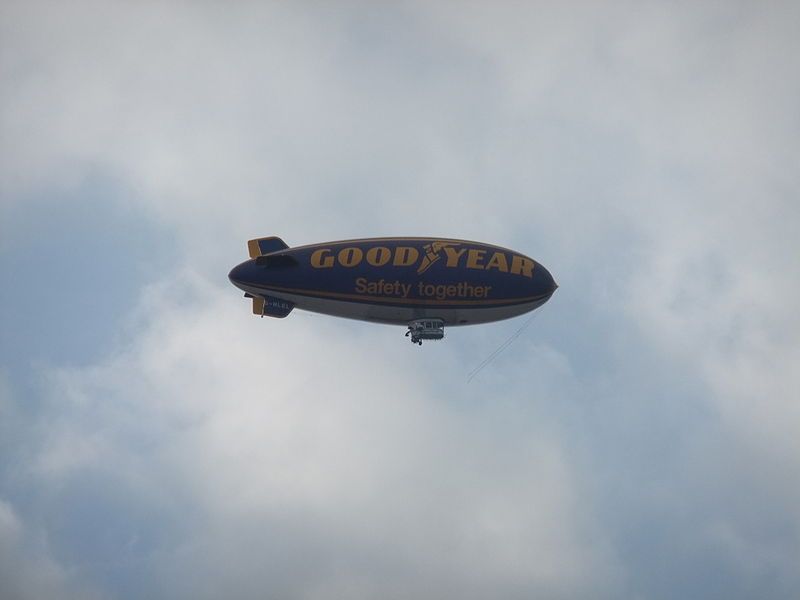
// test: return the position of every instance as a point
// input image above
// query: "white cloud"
(350, 465)
(26, 569)
(646, 153)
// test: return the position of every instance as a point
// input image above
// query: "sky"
(640, 440)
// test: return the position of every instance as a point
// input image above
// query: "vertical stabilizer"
(265, 245)
(267, 306)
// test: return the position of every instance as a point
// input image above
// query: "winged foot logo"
(432, 251)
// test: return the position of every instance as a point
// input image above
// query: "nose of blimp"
(544, 281)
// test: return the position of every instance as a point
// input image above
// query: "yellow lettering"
(405, 256)
(361, 285)
(522, 266)
(378, 256)
(350, 257)
(453, 255)
(320, 260)
(475, 259)
(498, 261)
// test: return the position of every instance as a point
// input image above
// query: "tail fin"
(271, 307)
(265, 245)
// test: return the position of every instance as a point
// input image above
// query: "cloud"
(305, 473)
(642, 443)
(27, 568)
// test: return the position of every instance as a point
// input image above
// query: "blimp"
(422, 283)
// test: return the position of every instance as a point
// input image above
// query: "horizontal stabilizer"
(276, 260)
(265, 245)
(267, 306)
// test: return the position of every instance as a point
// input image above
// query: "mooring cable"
(502, 347)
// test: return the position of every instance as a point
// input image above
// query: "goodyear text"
(408, 256)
